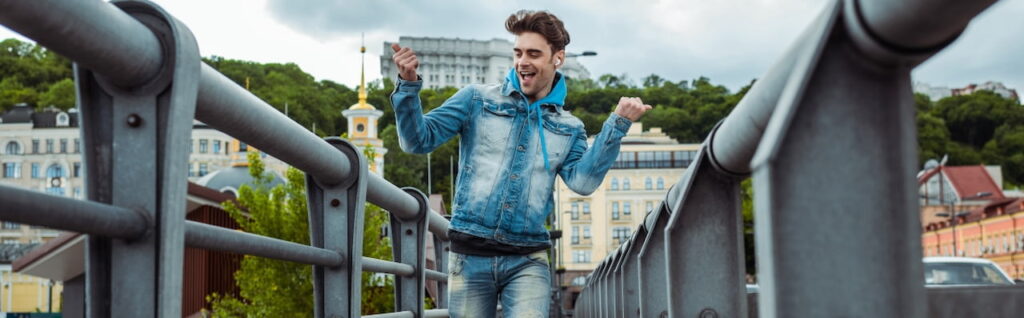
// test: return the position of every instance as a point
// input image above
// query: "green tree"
(12, 92)
(60, 94)
(274, 288)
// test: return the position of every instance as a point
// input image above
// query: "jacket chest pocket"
(559, 139)
(494, 126)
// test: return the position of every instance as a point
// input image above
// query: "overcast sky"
(729, 41)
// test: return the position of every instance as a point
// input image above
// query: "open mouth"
(527, 77)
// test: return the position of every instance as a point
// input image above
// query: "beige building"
(593, 225)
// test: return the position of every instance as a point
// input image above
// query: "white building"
(42, 151)
(460, 62)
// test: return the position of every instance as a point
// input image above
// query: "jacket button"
(515, 176)
(507, 206)
(521, 148)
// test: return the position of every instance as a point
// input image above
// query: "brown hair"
(541, 22)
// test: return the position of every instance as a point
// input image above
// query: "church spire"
(362, 80)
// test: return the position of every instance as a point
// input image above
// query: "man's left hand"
(631, 108)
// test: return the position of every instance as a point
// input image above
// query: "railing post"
(336, 223)
(441, 249)
(630, 276)
(651, 264)
(704, 244)
(136, 142)
(409, 246)
(834, 177)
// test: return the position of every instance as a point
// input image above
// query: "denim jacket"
(504, 189)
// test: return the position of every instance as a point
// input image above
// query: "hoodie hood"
(555, 97)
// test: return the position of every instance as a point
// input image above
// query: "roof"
(230, 179)
(996, 207)
(948, 259)
(20, 113)
(970, 180)
(967, 180)
(47, 118)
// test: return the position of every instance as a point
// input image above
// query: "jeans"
(521, 282)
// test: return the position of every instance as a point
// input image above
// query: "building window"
(35, 171)
(12, 170)
(62, 120)
(586, 207)
(661, 183)
(63, 145)
(54, 176)
(11, 225)
(76, 170)
(13, 148)
(77, 192)
(242, 147)
(203, 145)
(49, 146)
(35, 145)
(586, 232)
(78, 145)
(625, 183)
(575, 235)
(216, 146)
(627, 208)
(615, 210)
(574, 212)
(615, 184)
(620, 234)
(202, 169)
(579, 281)
(581, 257)
(191, 170)
(647, 184)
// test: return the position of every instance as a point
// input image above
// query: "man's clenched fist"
(631, 108)
(406, 61)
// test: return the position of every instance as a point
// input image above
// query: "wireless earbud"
(558, 61)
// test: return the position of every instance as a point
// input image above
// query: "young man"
(515, 137)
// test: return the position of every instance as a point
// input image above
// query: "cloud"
(729, 41)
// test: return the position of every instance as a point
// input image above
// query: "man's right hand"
(406, 61)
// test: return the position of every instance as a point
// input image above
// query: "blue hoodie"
(555, 97)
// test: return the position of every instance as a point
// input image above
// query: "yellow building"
(362, 125)
(21, 293)
(593, 225)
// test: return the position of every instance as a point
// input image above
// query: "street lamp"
(954, 215)
(585, 53)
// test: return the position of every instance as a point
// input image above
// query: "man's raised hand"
(406, 61)
(631, 108)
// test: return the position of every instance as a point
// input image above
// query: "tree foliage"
(274, 288)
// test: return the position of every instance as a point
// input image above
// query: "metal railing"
(140, 83)
(835, 111)
(828, 135)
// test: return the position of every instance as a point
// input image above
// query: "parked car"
(946, 271)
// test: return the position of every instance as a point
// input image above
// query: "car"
(958, 271)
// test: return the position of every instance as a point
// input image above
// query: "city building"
(649, 163)
(964, 212)
(944, 189)
(939, 92)
(362, 125)
(994, 231)
(42, 151)
(995, 87)
(21, 293)
(460, 62)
